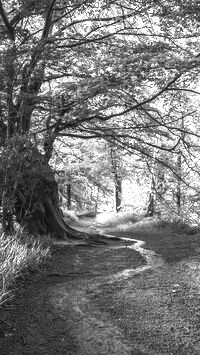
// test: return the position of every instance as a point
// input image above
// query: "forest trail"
(130, 298)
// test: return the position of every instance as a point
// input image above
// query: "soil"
(110, 299)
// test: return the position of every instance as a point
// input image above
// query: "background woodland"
(99, 110)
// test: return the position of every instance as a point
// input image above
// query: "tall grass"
(19, 254)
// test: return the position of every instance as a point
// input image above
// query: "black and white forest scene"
(99, 177)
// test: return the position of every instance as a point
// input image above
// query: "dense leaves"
(123, 72)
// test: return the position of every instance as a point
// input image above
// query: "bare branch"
(8, 25)
(48, 22)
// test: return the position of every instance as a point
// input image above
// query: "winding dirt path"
(119, 299)
(152, 259)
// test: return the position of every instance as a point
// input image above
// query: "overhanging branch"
(9, 27)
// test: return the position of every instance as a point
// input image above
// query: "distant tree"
(85, 165)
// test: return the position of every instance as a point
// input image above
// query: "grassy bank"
(173, 240)
(124, 220)
(19, 254)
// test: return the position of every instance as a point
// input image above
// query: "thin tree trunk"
(117, 177)
(178, 189)
(69, 196)
(118, 194)
(152, 199)
(151, 206)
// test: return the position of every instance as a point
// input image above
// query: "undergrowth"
(179, 227)
(19, 254)
(126, 220)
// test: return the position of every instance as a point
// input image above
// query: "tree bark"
(151, 206)
(178, 189)
(69, 196)
(152, 197)
(115, 163)
(35, 196)
(37, 204)
(118, 194)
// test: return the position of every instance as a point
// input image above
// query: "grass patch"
(179, 227)
(173, 241)
(19, 254)
(115, 219)
(148, 225)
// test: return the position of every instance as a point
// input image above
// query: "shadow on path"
(118, 299)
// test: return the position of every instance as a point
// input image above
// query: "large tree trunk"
(38, 209)
(37, 205)
(31, 185)
(29, 191)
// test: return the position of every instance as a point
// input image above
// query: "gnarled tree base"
(32, 189)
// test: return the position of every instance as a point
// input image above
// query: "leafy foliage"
(119, 72)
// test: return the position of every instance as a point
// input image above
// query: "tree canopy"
(126, 72)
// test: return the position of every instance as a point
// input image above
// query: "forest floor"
(110, 300)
